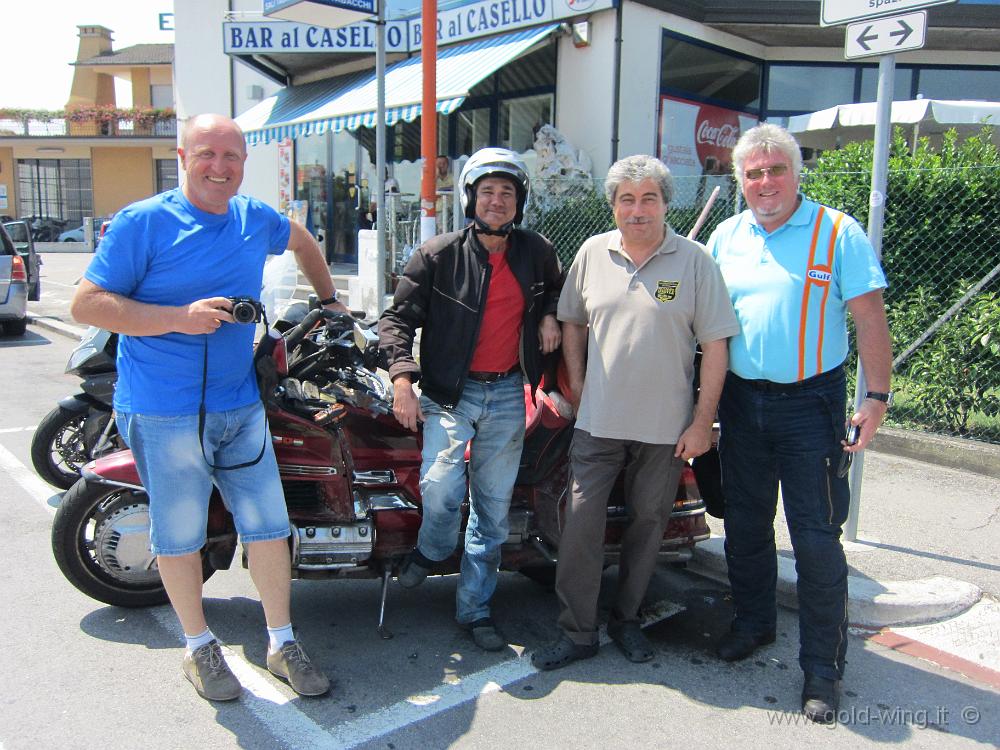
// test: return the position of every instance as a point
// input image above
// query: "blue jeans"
(792, 438)
(491, 415)
(179, 481)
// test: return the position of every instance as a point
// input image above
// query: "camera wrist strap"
(201, 419)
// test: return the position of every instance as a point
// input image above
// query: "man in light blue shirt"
(794, 269)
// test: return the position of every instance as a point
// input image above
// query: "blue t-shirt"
(165, 251)
(790, 289)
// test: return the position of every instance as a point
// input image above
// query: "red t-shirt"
(500, 332)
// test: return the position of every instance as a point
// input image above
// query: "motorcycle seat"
(542, 411)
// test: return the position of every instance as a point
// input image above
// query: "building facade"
(679, 79)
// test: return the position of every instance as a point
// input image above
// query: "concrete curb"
(56, 326)
(876, 604)
(968, 455)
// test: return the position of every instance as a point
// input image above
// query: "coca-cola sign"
(716, 132)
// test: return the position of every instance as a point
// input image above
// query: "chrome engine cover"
(330, 547)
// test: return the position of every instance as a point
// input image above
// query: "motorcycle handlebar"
(299, 332)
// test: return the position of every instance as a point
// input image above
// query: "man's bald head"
(212, 153)
(208, 123)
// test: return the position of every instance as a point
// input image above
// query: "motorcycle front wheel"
(60, 446)
(100, 539)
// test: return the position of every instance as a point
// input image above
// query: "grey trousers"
(651, 477)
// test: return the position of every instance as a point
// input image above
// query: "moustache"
(638, 220)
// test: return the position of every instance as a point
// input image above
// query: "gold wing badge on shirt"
(666, 290)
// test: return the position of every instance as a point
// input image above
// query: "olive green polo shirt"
(643, 323)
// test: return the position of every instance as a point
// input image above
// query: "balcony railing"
(62, 127)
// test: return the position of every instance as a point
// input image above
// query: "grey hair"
(636, 169)
(766, 138)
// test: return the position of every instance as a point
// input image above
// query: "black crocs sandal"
(562, 652)
(631, 640)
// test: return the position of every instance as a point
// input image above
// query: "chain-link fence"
(567, 212)
(941, 253)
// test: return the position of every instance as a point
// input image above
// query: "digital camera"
(246, 309)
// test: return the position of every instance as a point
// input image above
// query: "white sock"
(278, 637)
(194, 642)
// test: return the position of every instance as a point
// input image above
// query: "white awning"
(822, 129)
(348, 102)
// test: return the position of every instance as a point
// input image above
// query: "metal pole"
(383, 214)
(880, 169)
(428, 121)
(617, 85)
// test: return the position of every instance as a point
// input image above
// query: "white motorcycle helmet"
(493, 162)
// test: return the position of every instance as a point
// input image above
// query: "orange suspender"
(826, 292)
(805, 296)
(809, 281)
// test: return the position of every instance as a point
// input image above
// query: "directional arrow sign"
(839, 12)
(883, 36)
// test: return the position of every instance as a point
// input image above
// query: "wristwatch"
(329, 300)
(884, 397)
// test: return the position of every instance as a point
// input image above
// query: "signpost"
(839, 12)
(886, 35)
(881, 37)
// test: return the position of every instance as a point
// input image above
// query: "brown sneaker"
(207, 670)
(291, 664)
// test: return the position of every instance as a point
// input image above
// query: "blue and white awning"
(348, 102)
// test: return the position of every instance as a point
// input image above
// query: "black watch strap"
(330, 300)
(886, 398)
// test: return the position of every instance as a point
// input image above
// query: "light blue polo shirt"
(790, 289)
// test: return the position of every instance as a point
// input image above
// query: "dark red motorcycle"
(350, 474)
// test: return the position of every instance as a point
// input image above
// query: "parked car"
(13, 288)
(72, 235)
(45, 228)
(24, 242)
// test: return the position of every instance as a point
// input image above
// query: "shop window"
(901, 87)
(166, 175)
(959, 83)
(709, 74)
(521, 118)
(310, 178)
(472, 129)
(806, 88)
(55, 188)
(405, 141)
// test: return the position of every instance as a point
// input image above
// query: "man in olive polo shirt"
(635, 303)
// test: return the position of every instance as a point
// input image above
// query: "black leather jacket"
(443, 290)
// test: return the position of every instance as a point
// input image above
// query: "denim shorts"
(179, 480)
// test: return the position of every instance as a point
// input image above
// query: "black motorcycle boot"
(820, 698)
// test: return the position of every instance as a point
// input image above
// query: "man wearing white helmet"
(485, 297)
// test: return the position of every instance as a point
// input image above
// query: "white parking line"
(278, 713)
(273, 708)
(5, 430)
(417, 708)
(35, 487)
